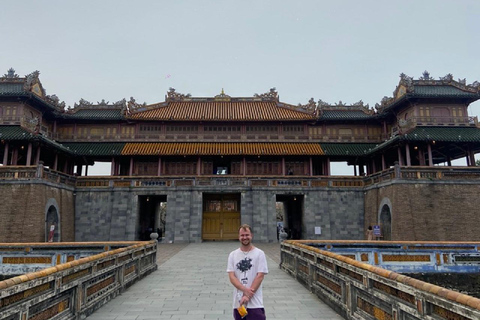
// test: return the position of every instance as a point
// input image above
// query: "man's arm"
(236, 283)
(257, 281)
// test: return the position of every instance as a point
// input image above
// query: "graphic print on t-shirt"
(244, 265)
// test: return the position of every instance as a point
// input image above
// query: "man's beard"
(246, 242)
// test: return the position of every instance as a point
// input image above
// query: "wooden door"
(221, 217)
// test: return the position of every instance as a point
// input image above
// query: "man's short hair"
(245, 227)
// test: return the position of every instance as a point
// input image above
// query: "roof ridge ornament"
(172, 95)
(222, 97)
(10, 74)
(133, 106)
(268, 96)
(310, 107)
(425, 76)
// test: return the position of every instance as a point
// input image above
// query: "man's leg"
(256, 314)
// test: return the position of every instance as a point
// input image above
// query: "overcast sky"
(336, 50)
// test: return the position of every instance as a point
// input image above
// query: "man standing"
(246, 269)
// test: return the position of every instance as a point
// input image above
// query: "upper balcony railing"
(410, 123)
(417, 173)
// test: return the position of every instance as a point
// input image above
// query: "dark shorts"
(253, 314)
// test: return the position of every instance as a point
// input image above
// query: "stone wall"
(111, 214)
(23, 210)
(427, 210)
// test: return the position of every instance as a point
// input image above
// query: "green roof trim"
(437, 134)
(347, 149)
(10, 133)
(441, 91)
(447, 134)
(11, 88)
(17, 133)
(99, 114)
(344, 115)
(96, 149)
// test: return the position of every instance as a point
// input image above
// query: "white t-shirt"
(246, 267)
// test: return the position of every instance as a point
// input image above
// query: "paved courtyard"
(191, 283)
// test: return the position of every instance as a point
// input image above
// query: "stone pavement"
(191, 283)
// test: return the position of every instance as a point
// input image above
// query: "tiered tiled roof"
(341, 111)
(222, 149)
(185, 149)
(344, 114)
(29, 86)
(437, 134)
(17, 133)
(14, 133)
(100, 111)
(248, 110)
(449, 134)
(96, 149)
(347, 149)
(427, 87)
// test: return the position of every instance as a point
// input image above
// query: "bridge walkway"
(191, 283)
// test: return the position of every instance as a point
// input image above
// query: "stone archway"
(52, 221)
(385, 218)
(386, 222)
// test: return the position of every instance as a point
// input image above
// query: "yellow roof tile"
(222, 149)
(221, 111)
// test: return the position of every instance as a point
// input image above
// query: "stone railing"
(230, 180)
(362, 291)
(418, 173)
(424, 173)
(73, 289)
(19, 173)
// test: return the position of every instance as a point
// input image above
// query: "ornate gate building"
(195, 168)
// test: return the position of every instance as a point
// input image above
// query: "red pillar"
(5, 154)
(430, 157)
(407, 155)
(37, 156)
(29, 154)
